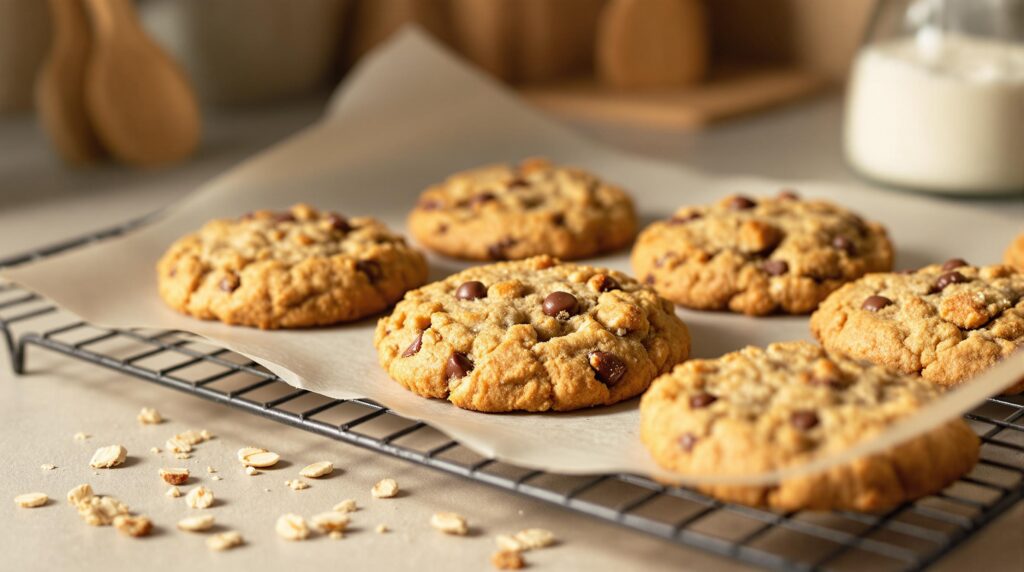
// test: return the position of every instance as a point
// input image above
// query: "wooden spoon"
(59, 93)
(138, 99)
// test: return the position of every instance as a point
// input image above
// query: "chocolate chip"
(471, 290)
(950, 278)
(844, 244)
(687, 441)
(482, 198)
(683, 219)
(558, 219)
(441, 228)
(229, 283)
(875, 303)
(775, 267)
(518, 182)
(702, 400)
(284, 217)
(741, 203)
(789, 195)
(649, 280)
(458, 366)
(608, 367)
(605, 283)
(414, 346)
(803, 419)
(371, 268)
(954, 263)
(430, 204)
(497, 250)
(557, 302)
(338, 222)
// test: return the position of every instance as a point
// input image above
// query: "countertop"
(41, 202)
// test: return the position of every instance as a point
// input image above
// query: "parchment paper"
(409, 115)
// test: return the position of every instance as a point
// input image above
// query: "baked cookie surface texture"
(779, 254)
(764, 409)
(288, 269)
(531, 335)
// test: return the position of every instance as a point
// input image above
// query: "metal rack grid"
(908, 537)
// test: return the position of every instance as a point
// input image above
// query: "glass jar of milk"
(936, 97)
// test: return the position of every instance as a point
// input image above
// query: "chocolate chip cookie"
(288, 269)
(501, 212)
(759, 256)
(532, 335)
(759, 410)
(1015, 253)
(947, 322)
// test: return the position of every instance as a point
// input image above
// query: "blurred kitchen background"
(142, 101)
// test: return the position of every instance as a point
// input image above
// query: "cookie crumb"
(182, 456)
(251, 471)
(224, 540)
(336, 535)
(154, 450)
(31, 500)
(149, 416)
(382, 528)
(347, 505)
(81, 436)
(296, 484)
(210, 470)
(257, 457)
(385, 489)
(330, 521)
(535, 538)
(507, 560)
(101, 510)
(450, 523)
(292, 527)
(174, 476)
(134, 526)
(108, 457)
(217, 478)
(48, 467)
(78, 494)
(199, 497)
(173, 492)
(196, 523)
(317, 470)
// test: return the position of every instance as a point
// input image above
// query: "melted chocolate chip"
(683, 219)
(875, 303)
(558, 219)
(789, 195)
(415, 346)
(803, 419)
(950, 278)
(954, 263)
(844, 244)
(608, 367)
(482, 198)
(687, 441)
(649, 280)
(229, 283)
(371, 268)
(430, 204)
(702, 400)
(471, 290)
(518, 182)
(741, 203)
(441, 228)
(775, 267)
(338, 222)
(458, 366)
(497, 250)
(605, 283)
(557, 302)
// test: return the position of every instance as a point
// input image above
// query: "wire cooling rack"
(908, 537)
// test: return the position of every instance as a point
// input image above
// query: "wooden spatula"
(59, 93)
(138, 99)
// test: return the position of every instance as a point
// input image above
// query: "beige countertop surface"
(42, 202)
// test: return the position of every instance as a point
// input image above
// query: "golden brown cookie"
(773, 254)
(288, 269)
(760, 410)
(533, 335)
(946, 322)
(1014, 255)
(501, 212)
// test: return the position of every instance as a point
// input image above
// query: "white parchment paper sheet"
(409, 115)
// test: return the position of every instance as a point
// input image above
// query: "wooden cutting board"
(730, 91)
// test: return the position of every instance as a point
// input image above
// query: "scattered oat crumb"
(191, 436)
(224, 540)
(266, 490)
(292, 527)
(347, 505)
(251, 471)
(100, 510)
(206, 435)
(199, 497)
(149, 416)
(507, 560)
(296, 484)
(78, 494)
(196, 523)
(81, 436)
(173, 492)
(382, 528)
(385, 489)
(257, 457)
(182, 456)
(31, 500)
(210, 470)
(176, 476)
(133, 525)
(528, 539)
(317, 470)
(48, 467)
(217, 478)
(336, 535)
(176, 445)
(330, 521)
(109, 456)
(449, 523)
(154, 450)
